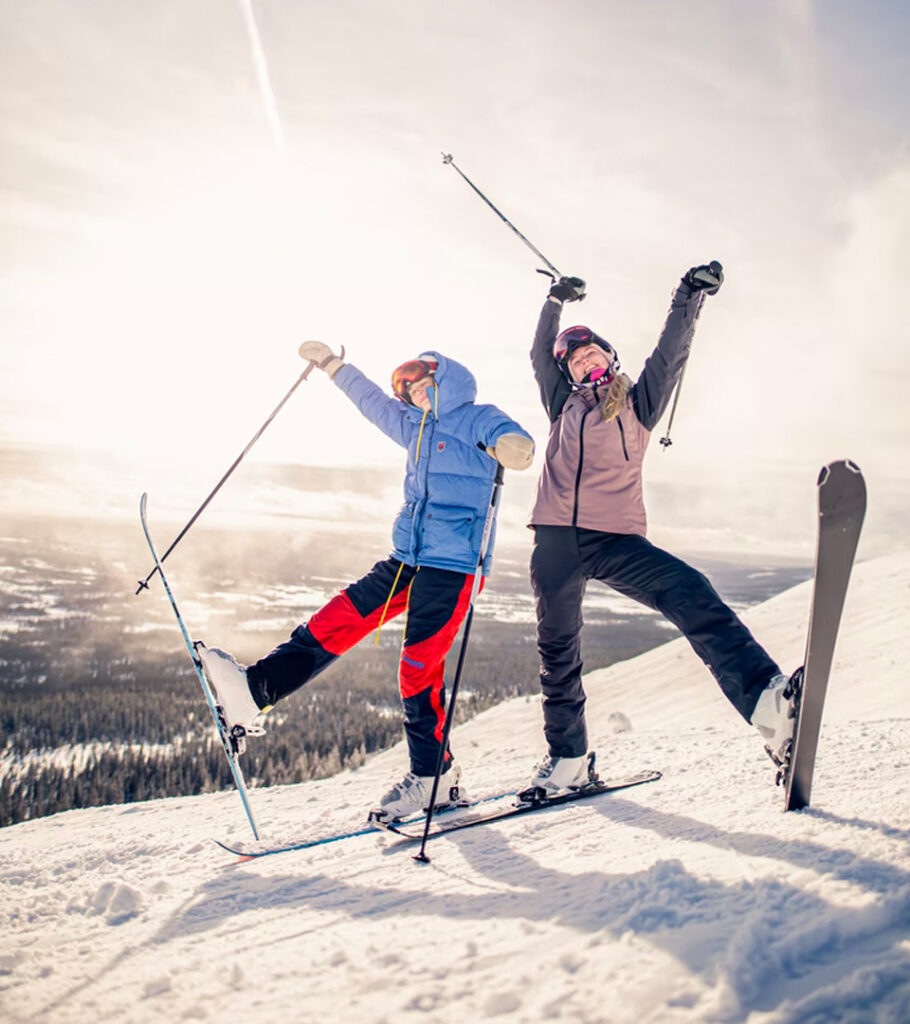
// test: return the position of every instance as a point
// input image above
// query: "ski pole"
(144, 583)
(450, 713)
(665, 441)
(447, 159)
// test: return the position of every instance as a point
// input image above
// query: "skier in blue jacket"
(452, 449)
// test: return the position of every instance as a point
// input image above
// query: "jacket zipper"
(417, 523)
(581, 461)
(622, 435)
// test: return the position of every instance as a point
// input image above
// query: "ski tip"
(241, 854)
(848, 464)
(143, 502)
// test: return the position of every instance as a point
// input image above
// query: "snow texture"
(692, 899)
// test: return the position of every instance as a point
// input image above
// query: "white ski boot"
(412, 795)
(556, 775)
(232, 692)
(775, 714)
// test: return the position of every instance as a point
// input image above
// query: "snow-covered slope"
(693, 899)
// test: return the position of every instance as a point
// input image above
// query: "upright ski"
(231, 748)
(841, 507)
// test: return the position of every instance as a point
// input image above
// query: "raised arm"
(385, 412)
(554, 388)
(654, 387)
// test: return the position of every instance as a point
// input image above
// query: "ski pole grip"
(312, 362)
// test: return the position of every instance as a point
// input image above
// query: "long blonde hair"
(615, 397)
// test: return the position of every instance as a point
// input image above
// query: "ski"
(248, 853)
(403, 828)
(231, 745)
(841, 507)
(513, 809)
(253, 853)
(245, 853)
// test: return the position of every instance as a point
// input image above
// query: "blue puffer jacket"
(449, 478)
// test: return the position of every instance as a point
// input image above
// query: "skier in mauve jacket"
(452, 447)
(589, 523)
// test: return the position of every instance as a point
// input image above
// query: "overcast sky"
(190, 189)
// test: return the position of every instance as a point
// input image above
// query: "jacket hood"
(456, 385)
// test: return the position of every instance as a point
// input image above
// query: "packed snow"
(691, 899)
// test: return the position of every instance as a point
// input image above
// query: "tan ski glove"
(319, 353)
(513, 451)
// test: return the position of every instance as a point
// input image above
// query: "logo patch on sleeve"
(440, 446)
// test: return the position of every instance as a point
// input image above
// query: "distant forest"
(99, 703)
(146, 731)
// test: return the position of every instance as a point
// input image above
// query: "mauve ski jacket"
(592, 471)
(449, 476)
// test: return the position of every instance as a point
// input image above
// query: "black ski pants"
(564, 558)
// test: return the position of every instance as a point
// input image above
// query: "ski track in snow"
(691, 899)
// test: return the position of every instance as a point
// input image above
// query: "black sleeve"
(554, 388)
(651, 392)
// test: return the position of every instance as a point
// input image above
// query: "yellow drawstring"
(388, 602)
(407, 609)
(423, 420)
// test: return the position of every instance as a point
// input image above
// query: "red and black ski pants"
(436, 602)
(564, 558)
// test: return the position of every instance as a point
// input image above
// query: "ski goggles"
(577, 337)
(409, 373)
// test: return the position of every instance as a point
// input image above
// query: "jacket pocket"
(448, 532)
(403, 528)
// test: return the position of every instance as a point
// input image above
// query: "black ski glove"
(708, 277)
(568, 289)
